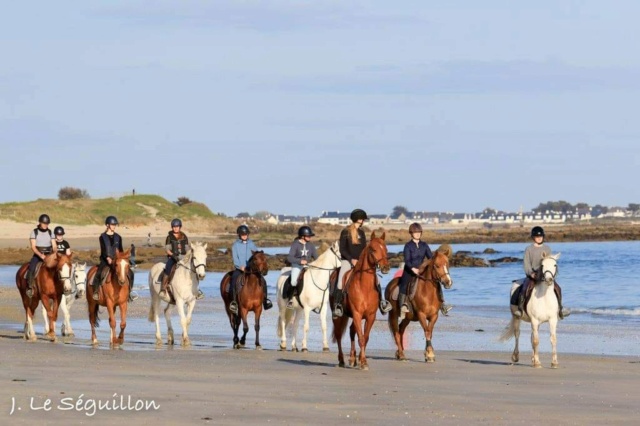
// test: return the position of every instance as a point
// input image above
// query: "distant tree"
(634, 207)
(182, 201)
(581, 206)
(556, 206)
(261, 214)
(71, 193)
(489, 210)
(243, 215)
(597, 210)
(398, 210)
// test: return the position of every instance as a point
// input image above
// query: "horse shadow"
(487, 362)
(305, 362)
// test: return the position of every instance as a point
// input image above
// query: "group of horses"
(59, 282)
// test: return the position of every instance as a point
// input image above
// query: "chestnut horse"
(52, 280)
(250, 298)
(113, 293)
(361, 300)
(426, 303)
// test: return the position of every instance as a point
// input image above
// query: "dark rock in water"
(489, 250)
(507, 259)
(463, 259)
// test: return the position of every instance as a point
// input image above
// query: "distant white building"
(335, 218)
(281, 219)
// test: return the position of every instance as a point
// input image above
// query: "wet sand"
(212, 383)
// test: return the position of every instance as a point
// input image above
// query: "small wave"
(630, 312)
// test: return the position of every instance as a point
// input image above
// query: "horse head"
(258, 263)
(376, 253)
(63, 270)
(122, 266)
(549, 268)
(336, 256)
(436, 269)
(79, 277)
(199, 259)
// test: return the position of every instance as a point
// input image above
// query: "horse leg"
(294, 330)
(123, 321)
(282, 326)
(93, 317)
(45, 320)
(29, 332)
(515, 356)
(305, 328)
(245, 327)
(368, 325)
(398, 332)
(167, 317)
(352, 335)
(236, 327)
(323, 325)
(553, 322)
(46, 304)
(429, 354)
(535, 340)
(257, 315)
(183, 322)
(66, 329)
(339, 325)
(112, 324)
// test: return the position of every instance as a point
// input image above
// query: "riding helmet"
(58, 230)
(415, 227)
(305, 231)
(111, 220)
(176, 222)
(44, 218)
(358, 214)
(537, 231)
(243, 230)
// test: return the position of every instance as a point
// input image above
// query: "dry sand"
(213, 384)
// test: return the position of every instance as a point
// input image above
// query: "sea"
(600, 283)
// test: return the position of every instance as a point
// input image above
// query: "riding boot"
(383, 304)
(444, 308)
(404, 308)
(30, 282)
(200, 295)
(132, 294)
(520, 311)
(562, 312)
(337, 303)
(96, 284)
(266, 303)
(164, 294)
(233, 305)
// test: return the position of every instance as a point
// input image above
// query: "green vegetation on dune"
(130, 210)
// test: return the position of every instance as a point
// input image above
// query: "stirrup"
(233, 307)
(445, 309)
(518, 314)
(164, 295)
(404, 310)
(96, 295)
(563, 313)
(200, 295)
(337, 311)
(290, 304)
(384, 306)
(29, 293)
(133, 296)
(266, 304)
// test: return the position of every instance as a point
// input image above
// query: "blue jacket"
(415, 254)
(242, 252)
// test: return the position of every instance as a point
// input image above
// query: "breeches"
(345, 266)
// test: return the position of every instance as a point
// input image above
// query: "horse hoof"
(186, 343)
(170, 342)
(71, 335)
(430, 360)
(554, 365)
(158, 342)
(305, 350)
(341, 365)
(326, 350)
(515, 358)
(364, 367)
(282, 348)
(237, 346)
(538, 365)
(294, 349)
(258, 348)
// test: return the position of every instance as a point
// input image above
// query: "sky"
(296, 107)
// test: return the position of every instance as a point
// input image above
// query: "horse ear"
(205, 246)
(373, 235)
(557, 256)
(384, 234)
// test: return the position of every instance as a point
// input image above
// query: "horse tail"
(96, 311)
(152, 312)
(509, 331)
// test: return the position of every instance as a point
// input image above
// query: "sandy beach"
(210, 383)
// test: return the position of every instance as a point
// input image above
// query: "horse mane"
(50, 261)
(444, 249)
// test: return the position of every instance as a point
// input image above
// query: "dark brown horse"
(425, 304)
(361, 300)
(113, 293)
(49, 285)
(250, 298)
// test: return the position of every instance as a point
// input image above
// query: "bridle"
(551, 274)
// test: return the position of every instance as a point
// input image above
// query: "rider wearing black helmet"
(176, 246)
(532, 263)
(352, 242)
(42, 243)
(301, 252)
(242, 250)
(63, 245)
(110, 242)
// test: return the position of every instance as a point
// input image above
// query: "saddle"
(524, 283)
(289, 291)
(411, 293)
(35, 272)
(239, 282)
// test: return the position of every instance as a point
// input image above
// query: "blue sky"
(297, 107)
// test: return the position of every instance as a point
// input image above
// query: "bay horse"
(249, 297)
(542, 307)
(361, 300)
(51, 281)
(78, 287)
(313, 296)
(114, 293)
(184, 288)
(426, 303)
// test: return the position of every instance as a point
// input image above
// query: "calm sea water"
(600, 282)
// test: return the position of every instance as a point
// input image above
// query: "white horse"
(184, 285)
(541, 308)
(78, 287)
(314, 296)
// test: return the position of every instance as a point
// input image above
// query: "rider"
(176, 246)
(415, 251)
(242, 250)
(352, 242)
(532, 263)
(302, 249)
(42, 243)
(110, 241)
(63, 245)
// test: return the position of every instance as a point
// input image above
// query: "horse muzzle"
(447, 283)
(385, 269)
